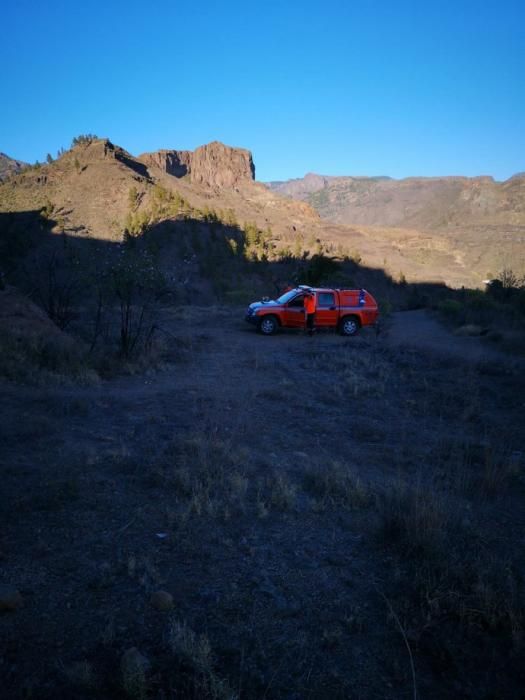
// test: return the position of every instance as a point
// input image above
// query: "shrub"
(42, 359)
(451, 309)
(136, 282)
(83, 139)
(196, 665)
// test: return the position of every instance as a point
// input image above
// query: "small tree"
(229, 218)
(49, 159)
(133, 196)
(251, 234)
(505, 286)
(298, 246)
(137, 283)
(319, 269)
(56, 285)
(83, 139)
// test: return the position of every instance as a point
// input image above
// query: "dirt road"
(419, 330)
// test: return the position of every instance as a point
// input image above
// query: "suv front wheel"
(268, 325)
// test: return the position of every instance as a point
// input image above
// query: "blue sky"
(336, 87)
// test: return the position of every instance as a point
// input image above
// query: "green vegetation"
(497, 313)
(133, 197)
(83, 140)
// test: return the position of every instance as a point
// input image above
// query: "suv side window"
(326, 299)
(297, 302)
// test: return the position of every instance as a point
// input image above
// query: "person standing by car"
(310, 305)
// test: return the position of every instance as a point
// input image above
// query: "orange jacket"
(309, 303)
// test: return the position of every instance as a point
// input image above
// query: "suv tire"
(268, 325)
(349, 325)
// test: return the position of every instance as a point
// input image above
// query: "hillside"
(86, 192)
(87, 189)
(426, 203)
(483, 221)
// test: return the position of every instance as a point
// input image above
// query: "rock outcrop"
(176, 163)
(212, 165)
(221, 166)
(103, 149)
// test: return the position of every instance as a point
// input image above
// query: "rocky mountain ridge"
(97, 190)
(87, 190)
(212, 165)
(432, 203)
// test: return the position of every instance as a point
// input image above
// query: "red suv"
(347, 310)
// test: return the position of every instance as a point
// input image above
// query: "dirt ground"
(252, 480)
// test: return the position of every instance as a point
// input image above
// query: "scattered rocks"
(10, 598)
(161, 600)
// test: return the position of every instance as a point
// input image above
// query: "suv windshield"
(284, 298)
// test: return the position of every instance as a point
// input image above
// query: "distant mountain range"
(432, 203)
(9, 166)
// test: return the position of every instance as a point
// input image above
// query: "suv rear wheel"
(349, 325)
(268, 325)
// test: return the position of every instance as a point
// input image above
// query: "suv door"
(326, 313)
(293, 313)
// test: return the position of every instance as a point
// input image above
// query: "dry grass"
(42, 361)
(483, 471)
(275, 492)
(134, 679)
(81, 675)
(414, 519)
(335, 485)
(210, 477)
(444, 570)
(197, 664)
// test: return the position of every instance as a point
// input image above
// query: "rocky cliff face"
(213, 165)
(217, 165)
(176, 163)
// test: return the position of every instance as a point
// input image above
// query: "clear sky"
(342, 87)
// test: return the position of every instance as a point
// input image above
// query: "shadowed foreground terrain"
(331, 518)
